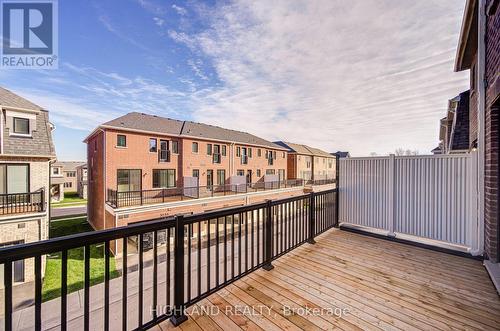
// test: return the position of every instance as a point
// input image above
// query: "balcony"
(164, 155)
(155, 196)
(216, 158)
(270, 161)
(22, 203)
(280, 265)
(244, 159)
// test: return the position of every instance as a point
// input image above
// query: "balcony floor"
(384, 285)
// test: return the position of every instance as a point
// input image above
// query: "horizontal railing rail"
(19, 203)
(170, 262)
(162, 195)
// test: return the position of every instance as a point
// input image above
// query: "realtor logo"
(29, 34)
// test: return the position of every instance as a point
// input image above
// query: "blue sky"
(362, 75)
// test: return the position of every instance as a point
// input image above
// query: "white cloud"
(180, 10)
(363, 75)
(159, 21)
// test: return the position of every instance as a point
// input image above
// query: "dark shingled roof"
(303, 149)
(341, 154)
(11, 100)
(162, 125)
(41, 141)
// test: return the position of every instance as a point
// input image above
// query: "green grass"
(70, 199)
(52, 282)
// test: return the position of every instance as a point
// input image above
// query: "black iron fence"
(19, 203)
(177, 262)
(145, 197)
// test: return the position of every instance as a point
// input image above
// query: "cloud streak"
(364, 75)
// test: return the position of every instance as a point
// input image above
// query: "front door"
(249, 176)
(210, 178)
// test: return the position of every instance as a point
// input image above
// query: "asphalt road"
(68, 211)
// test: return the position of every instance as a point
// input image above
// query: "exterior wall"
(492, 136)
(203, 162)
(473, 108)
(96, 178)
(304, 167)
(81, 174)
(324, 167)
(260, 163)
(29, 227)
(136, 156)
(70, 183)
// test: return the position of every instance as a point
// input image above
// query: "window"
(258, 172)
(153, 147)
(216, 156)
(270, 172)
(14, 178)
(283, 155)
(308, 164)
(238, 151)
(70, 174)
(196, 173)
(164, 155)
(249, 152)
(209, 149)
(281, 173)
(175, 147)
(129, 180)
(55, 171)
(163, 178)
(121, 140)
(240, 172)
(194, 147)
(221, 177)
(223, 150)
(21, 125)
(68, 185)
(259, 152)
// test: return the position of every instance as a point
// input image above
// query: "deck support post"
(178, 310)
(337, 172)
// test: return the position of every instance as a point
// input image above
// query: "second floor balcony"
(163, 195)
(22, 203)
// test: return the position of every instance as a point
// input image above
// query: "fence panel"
(430, 196)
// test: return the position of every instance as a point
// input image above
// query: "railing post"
(178, 313)
(141, 197)
(312, 221)
(268, 238)
(337, 172)
(42, 199)
(163, 195)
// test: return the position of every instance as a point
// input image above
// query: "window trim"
(156, 145)
(28, 134)
(28, 175)
(129, 169)
(161, 187)
(118, 139)
(175, 143)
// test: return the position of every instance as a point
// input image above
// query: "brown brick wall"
(96, 193)
(492, 136)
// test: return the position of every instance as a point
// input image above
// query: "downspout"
(481, 77)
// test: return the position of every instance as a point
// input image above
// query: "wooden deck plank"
(385, 285)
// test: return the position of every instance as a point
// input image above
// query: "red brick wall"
(492, 135)
(95, 177)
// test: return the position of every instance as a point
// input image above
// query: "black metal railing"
(324, 181)
(185, 260)
(164, 155)
(19, 203)
(162, 195)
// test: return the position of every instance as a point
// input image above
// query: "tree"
(405, 152)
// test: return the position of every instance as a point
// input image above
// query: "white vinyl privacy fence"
(429, 198)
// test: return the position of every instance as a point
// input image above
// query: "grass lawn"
(52, 282)
(70, 199)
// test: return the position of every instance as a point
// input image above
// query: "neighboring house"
(63, 178)
(308, 163)
(81, 175)
(341, 154)
(146, 155)
(481, 55)
(454, 127)
(26, 150)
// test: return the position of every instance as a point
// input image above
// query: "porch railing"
(190, 258)
(19, 203)
(162, 195)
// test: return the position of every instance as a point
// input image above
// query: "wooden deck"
(381, 284)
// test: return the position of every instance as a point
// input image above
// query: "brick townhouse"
(479, 51)
(64, 178)
(308, 163)
(26, 150)
(147, 161)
